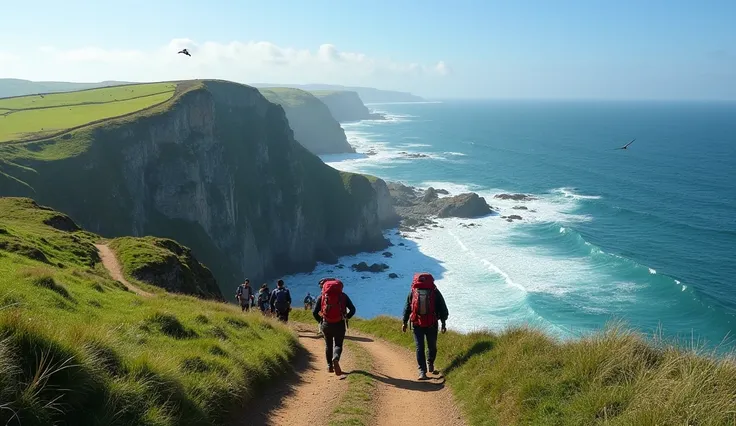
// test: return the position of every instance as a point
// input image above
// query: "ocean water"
(646, 236)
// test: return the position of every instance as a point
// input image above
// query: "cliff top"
(288, 96)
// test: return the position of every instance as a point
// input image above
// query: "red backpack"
(333, 301)
(423, 312)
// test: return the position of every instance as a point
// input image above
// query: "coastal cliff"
(346, 106)
(311, 120)
(218, 169)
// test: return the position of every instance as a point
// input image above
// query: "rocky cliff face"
(219, 171)
(346, 106)
(386, 212)
(311, 120)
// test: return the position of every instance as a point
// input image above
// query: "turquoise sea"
(646, 235)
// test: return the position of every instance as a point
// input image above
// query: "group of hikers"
(424, 311)
(276, 302)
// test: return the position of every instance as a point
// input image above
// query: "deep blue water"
(647, 235)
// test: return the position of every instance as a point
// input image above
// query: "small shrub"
(201, 319)
(47, 282)
(217, 351)
(236, 322)
(171, 326)
(219, 333)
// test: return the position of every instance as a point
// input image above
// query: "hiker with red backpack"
(331, 310)
(424, 307)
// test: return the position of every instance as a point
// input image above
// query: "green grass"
(77, 348)
(164, 262)
(616, 377)
(286, 96)
(118, 93)
(323, 93)
(32, 116)
(354, 408)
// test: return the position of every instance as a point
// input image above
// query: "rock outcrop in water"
(417, 208)
(216, 169)
(515, 197)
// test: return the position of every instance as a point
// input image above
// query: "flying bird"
(184, 51)
(627, 145)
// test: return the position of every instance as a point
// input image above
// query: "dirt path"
(399, 398)
(308, 397)
(113, 267)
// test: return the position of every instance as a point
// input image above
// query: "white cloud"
(249, 62)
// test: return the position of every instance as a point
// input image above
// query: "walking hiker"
(244, 294)
(281, 301)
(308, 302)
(264, 297)
(424, 307)
(332, 310)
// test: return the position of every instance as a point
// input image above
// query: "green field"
(286, 96)
(30, 117)
(77, 347)
(322, 93)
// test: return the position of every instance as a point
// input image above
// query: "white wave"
(652, 271)
(570, 193)
(452, 187)
(562, 229)
(414, 145)
(457, 154)
(401, 103)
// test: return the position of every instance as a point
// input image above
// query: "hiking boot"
(330, 369)
(430, 368)
(423, 375)
(336, 364)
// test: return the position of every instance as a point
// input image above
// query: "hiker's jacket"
(272, 301)
(439, 306)
(318, 307)
(242, 289)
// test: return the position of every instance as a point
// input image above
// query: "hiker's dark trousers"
(431, 334)
(283, 315)
(334, 335)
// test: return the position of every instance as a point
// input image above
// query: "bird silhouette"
(184, 51)
(627, 145)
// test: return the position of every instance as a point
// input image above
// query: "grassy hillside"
(164, 263)
(18, 87)
(78, 348)
(616, 377)
(286, 96)
(31, 117)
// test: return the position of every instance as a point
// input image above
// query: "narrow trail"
(311, 394)
(110, 261)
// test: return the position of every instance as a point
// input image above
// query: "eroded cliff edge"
(218, 170)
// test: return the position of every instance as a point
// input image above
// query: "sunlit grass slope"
(34, 116)
(78, 348)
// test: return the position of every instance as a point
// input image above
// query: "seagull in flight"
(627, 145)
(184, 51)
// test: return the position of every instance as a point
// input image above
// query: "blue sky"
(513, 49)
